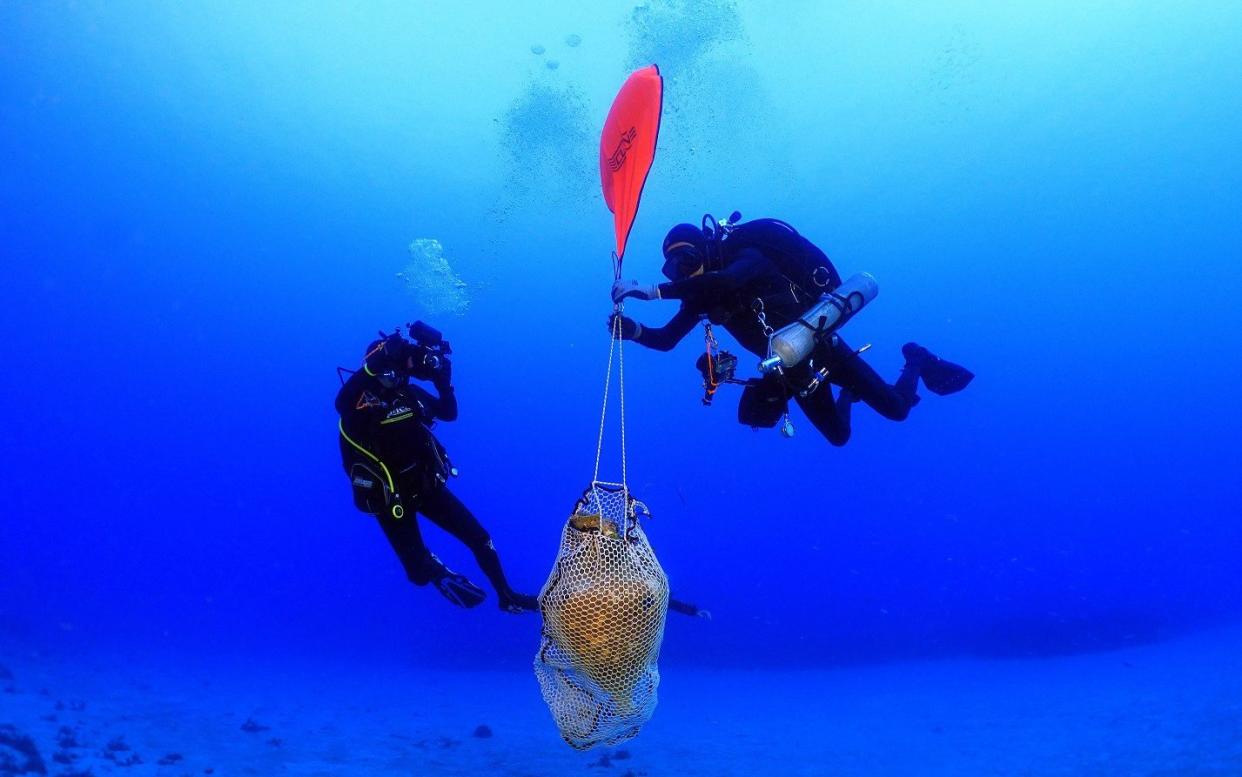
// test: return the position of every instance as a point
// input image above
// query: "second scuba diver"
(397, 467)
(756, 277)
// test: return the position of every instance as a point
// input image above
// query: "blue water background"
(203, 208)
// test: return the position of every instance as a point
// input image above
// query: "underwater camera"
(716, 371)
(430, 350)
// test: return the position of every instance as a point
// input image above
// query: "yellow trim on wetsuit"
(395, 419)
(391, 486)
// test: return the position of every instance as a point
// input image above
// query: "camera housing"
(429, 350)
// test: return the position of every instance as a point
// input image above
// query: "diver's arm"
(443, 407)
(748, 265)
(447, 410)
(664, 338)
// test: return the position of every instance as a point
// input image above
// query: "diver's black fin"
(519, 603)
(939, 376)
(459, 590)
(686, 608)
(944, 377)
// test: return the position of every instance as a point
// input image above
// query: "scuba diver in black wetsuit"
(397, 466)
(754, 278)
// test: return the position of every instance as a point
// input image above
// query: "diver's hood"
(689, 248)
(384, 361)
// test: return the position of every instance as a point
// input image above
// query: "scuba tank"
(793, 343)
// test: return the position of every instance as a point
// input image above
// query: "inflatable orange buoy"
(627, 147)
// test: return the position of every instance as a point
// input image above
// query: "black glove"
(443, 377)
(630, 329)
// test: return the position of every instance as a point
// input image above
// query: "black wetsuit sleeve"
(443, 407)
(748, 265)
(664, 338)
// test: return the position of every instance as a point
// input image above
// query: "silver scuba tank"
(794, 342)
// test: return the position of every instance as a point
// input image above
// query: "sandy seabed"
(1168, 709)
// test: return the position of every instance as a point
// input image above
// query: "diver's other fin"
(944, 377)
(686, 608)
(519, 603)
(459, 590)
(939, 376)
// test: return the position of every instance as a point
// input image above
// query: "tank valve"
(770, 364)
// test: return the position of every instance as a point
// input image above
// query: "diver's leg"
(449, 513)
(857, 377)
(824, 415)
(831, 417)
(407, 540)
(845, 405)
(907, 384)
(762, 403)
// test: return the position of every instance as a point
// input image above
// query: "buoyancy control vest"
(389, 451)
(808, 269)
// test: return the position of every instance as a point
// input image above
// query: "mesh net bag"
(603, 620)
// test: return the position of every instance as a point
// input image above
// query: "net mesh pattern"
(603, 607)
